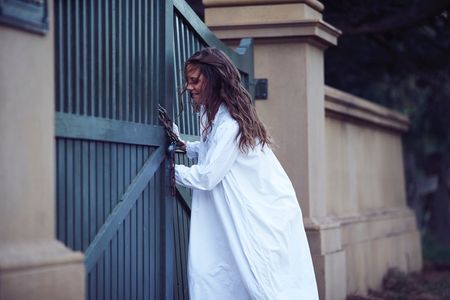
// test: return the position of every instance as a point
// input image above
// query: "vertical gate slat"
(177, 64)
(92, 214)
(146, 237)
(83, 60)
(76, 58)
(146, 242)
(130, 42)
(114, 269)
(92, 287)
(112, 43)
(58, 56)
(120, 241)
(100, 277)
(136, 62)
(114, 244)
(184, 252)
(77, 192)
(144, 55)
(107, 181)
(85, 195)
(100, 208)
(68, 96)
(125, 45)
(61, 189)
(183, 234)
(142, 70)
(69, 195)
(139, 222)
(157, 237)
(127, 241)
(118, 46)
(100, 212)
(107, 211)
(183, 58)
(153, 238)
(107, 271)
(121, 263)
(127, 258)
(150, 57)
(133, 229)
(107, 58)
(100, 99)
(151, 243)
(90, 103)
(156, 43)
(92, 191)
(178, 254)
(99, 184)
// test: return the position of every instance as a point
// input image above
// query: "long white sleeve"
(222, 153)
(192, 149)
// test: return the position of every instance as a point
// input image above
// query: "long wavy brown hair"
(223, 85)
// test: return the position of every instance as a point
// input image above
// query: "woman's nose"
(189, 87)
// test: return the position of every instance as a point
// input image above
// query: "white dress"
(247, 239)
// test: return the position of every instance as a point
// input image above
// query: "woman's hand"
(171, 129)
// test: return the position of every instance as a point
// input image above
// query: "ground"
(433, 283)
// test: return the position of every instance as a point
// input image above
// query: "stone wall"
(366, 189)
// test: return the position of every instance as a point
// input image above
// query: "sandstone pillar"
(33, 264)
(290, 37)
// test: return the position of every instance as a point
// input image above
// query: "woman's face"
(196, 83)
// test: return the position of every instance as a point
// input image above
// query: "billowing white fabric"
(247, 239)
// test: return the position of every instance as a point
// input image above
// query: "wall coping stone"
(339, 104)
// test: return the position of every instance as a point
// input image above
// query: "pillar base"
(328, 257)
(376, 241)
(43, 269)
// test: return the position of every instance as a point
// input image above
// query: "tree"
(397, 53)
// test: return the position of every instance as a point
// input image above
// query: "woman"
(247, 239)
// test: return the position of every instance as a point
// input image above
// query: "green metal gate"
(116, 60)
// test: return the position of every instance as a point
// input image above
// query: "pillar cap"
(284, 20)
(317, 32)
(223, 3)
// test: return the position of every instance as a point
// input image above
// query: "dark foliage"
(397, 53)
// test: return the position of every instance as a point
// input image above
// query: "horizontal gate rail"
(120, 212)
(89, 128)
